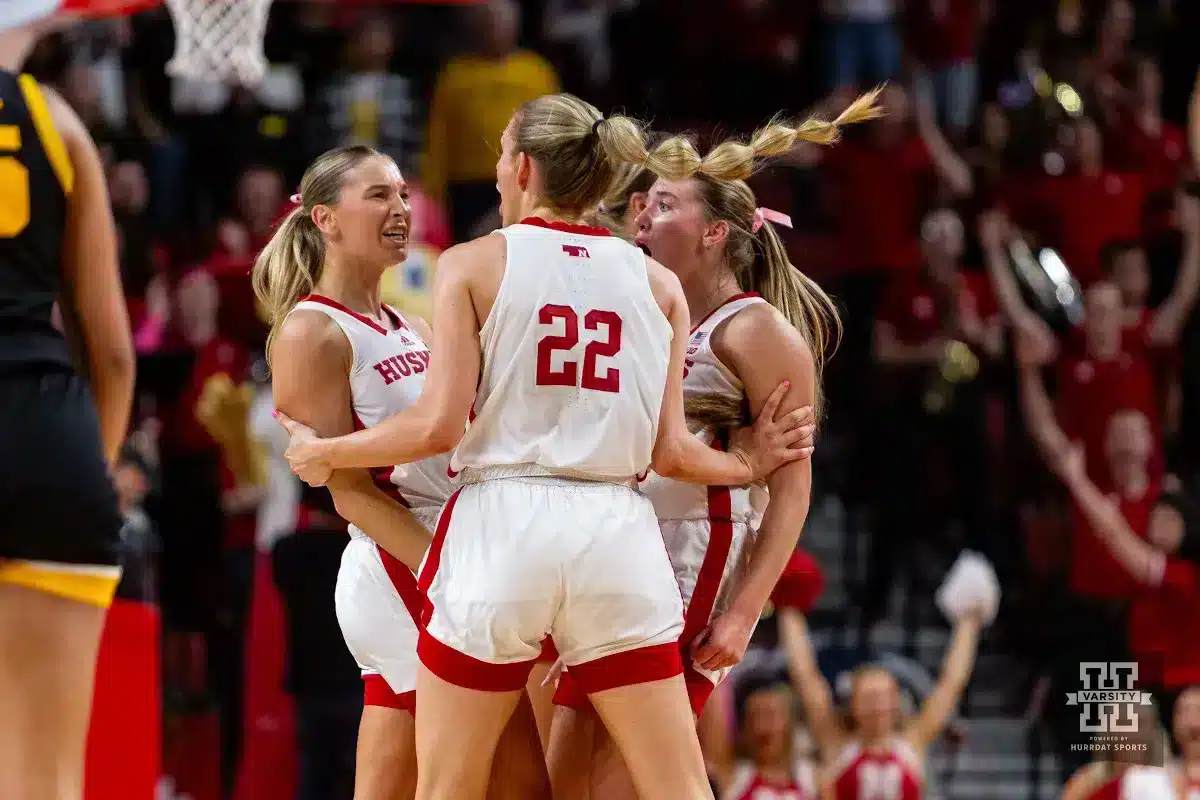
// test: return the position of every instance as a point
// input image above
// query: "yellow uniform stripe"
(52, 143)
(94, 586)
(10, 138)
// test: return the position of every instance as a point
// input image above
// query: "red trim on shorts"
(566, 227)
(376, 692)
(405, 584)
(741, 296)
(325, 301)
(654, 662)
(549, 652)
(570, 694)
(433, 558)
(699, 688)
(708, 583)
(469, 672)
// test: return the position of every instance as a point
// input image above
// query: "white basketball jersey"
(575, 355)
(704, 374)
(386, 378)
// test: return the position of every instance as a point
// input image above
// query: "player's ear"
(637, 203)
(715, 233)
(524, 170)
(325, 220)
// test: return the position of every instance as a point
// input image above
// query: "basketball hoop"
(220, 39)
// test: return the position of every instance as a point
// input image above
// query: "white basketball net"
(221, 39)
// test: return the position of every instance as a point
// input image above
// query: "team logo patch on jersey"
(575, 251)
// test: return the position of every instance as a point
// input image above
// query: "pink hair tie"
(762, 215)
(296, 199)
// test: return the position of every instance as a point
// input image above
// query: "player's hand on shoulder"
(775, 439)
(305, 452)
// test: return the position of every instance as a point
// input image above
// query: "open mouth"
(396, 236)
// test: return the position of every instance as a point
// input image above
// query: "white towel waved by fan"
(970, 588)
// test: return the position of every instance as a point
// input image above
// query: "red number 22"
(610, 381)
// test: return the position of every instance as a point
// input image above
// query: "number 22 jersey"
(575, 355)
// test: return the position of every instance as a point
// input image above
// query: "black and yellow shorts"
(59, 522)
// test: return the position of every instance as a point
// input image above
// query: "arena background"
(223, 670)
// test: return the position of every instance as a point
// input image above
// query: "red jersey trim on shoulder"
(566, 227)
(325, 301)
(741, 296)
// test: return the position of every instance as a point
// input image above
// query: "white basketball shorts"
(515, 559)
(378, 607)
(708, 557)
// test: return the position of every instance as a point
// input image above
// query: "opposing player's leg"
(59, 532)
(48, 647)
(386, 763)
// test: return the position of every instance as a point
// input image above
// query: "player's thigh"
(519, 766)
(653, 728)
(386, 763)
(48, 648)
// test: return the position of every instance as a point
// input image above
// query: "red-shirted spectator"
(1113, 36)
(259, 197)
(941, 38)
(880, 182)
(1153, 544)
(1110, 373)
(1124, 263)
(1087, 207)
(1151, 145)
(932, 331)
(1125, 449)
(922, 313)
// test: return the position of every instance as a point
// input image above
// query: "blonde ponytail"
(289, 267)
(677, 159)
(581, 153)
(753, 248)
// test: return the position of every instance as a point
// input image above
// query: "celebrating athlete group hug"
(572, 498)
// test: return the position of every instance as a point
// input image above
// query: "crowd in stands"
(1026, 210)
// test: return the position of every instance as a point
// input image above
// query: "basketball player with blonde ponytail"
(342, 359)
(757, 321)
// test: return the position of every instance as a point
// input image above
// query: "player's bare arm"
(92, 273)
(765, 351)
(680, 455)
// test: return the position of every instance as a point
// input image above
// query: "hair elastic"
(596, 126)
(762, 215)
